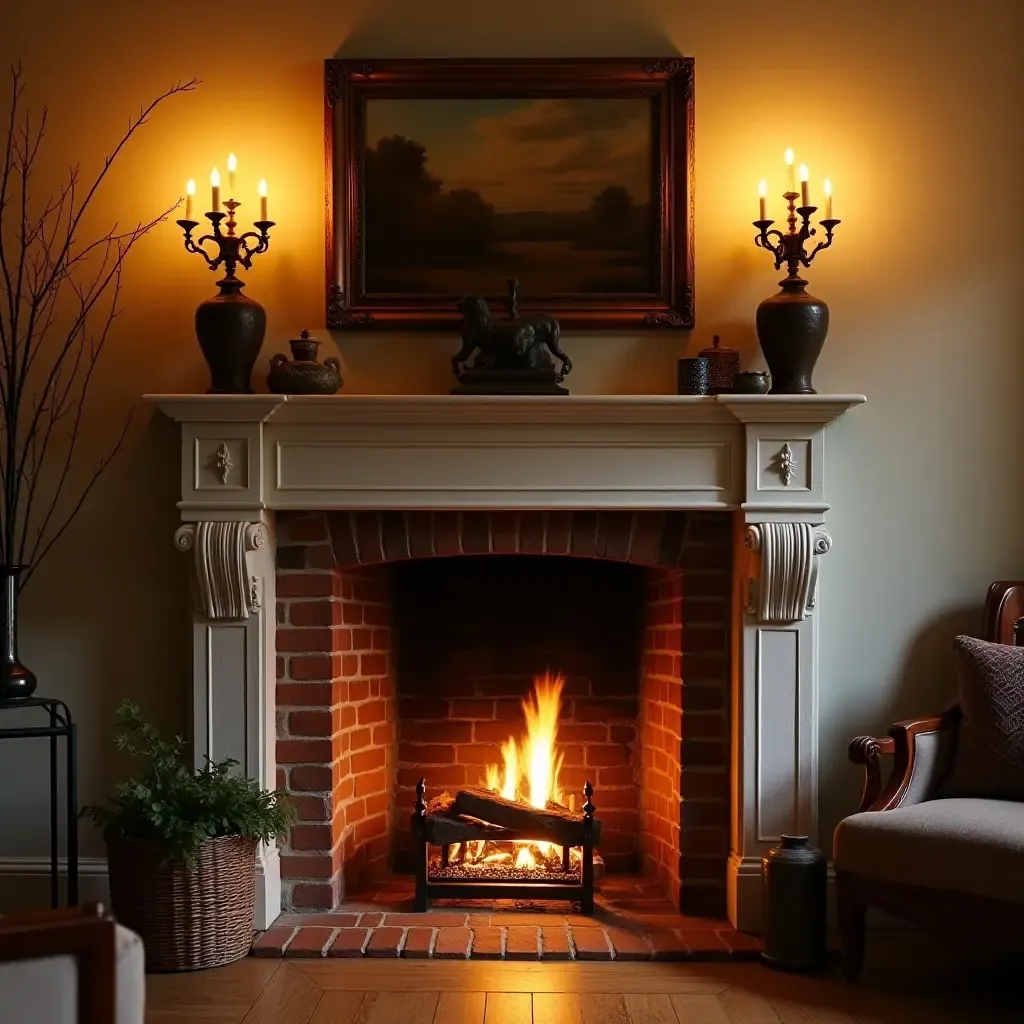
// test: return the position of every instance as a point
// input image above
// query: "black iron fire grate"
(462, 823)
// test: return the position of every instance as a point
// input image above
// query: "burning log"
(564, 828)
(444, 829)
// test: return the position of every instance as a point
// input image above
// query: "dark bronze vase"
(795, 896)
(16, 681)
(230, 329)
(791, 327)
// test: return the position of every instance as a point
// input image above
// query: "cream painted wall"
(912, 107)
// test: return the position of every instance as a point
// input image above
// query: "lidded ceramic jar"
(725, 364)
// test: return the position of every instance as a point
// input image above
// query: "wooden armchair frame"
(977, 919)
(88, 934)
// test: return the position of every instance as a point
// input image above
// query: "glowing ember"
(528, 774)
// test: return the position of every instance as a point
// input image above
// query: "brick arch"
(652, 539)
(339, 750)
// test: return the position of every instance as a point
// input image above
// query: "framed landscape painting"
(573, 178)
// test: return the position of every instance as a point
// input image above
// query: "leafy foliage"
(172, 803)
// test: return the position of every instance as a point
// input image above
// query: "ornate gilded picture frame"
(447, 176)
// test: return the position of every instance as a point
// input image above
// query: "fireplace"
(427, 632)
(301, 515)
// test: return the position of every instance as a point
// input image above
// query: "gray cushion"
(960, 844)
(989, 759)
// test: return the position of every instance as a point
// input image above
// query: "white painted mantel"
(245, 456)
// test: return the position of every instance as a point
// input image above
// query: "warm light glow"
(789, 158)
(828, 187)
(762, 189)
(262, 188)
(804, 174)
(190, 187)
(525, 858)
(232, 163)
(215, 178)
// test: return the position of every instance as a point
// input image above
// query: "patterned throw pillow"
(990, 747)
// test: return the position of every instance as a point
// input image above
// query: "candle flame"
(828, 186)
(762, 189)
(215, 178)
(190, 187)
(803, 172)
(262, 188)
(232, 163)
(789, 158)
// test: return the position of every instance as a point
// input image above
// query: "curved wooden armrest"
(902, 744)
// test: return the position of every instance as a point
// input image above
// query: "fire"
(529, 774)
(531, 766)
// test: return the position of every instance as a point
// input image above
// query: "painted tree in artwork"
(60, 292)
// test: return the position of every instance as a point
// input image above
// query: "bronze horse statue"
(522, 343)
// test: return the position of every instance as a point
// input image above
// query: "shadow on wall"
(927, 687)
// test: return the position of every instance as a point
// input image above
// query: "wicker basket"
(189, 918)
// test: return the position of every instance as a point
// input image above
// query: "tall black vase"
(230, 329)
(795, 898)
(16, 681)
(791, 327)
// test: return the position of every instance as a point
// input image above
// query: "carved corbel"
(222, 586)
(784, 574)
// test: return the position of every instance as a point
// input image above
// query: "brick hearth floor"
(633, 921)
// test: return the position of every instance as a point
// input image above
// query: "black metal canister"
(794, 890)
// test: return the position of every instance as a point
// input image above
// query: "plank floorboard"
(469, 976)
(508, 1008)
(699, 1009)
(343, 1008)
(603, 1008)
(403, 1008)
(648, 1009)
(460, 1008)
(289, 998)
(557, 1008)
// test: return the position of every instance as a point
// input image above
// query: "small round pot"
(791, 328)
(189, 918)
(230, 329)
(750, 382)
(795, 895)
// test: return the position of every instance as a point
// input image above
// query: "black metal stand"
(428, 888)
(60, 725)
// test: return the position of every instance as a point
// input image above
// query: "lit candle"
(804, 194)
(232, 167)
(215, 184)
(263, 199)
(763, 193)
(190, 191)
(828, 199)
(790, 171)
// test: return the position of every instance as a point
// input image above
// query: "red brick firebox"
(339, 717)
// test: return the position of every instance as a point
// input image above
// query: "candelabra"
(230, 326)
(792, 325)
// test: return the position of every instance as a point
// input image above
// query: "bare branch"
(59, 301)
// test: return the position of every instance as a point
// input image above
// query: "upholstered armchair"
(953, 864)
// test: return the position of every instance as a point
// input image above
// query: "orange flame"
(531, 767)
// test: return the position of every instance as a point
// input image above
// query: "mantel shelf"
(462, 409)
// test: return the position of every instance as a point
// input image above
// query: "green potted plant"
(181, 847)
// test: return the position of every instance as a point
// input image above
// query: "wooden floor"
(938, 989)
